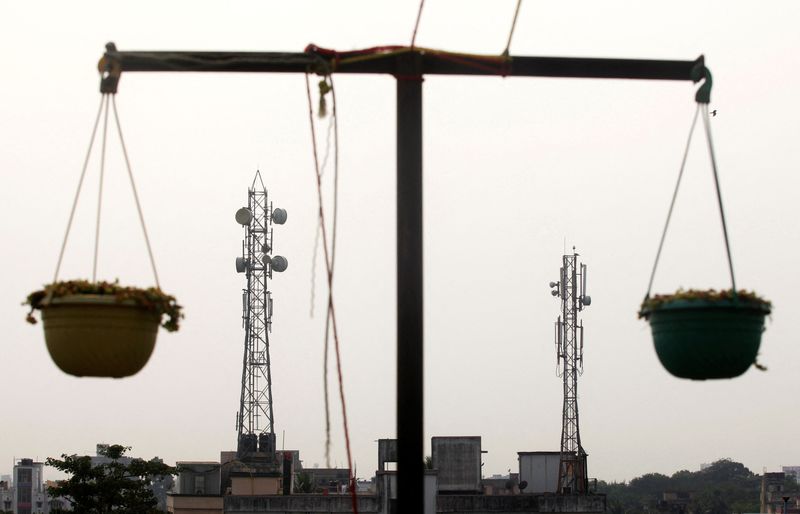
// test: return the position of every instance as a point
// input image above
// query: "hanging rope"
(100, 191)
(317, 233)
(672, 203)
(325, 87)
(707, 125)
(332, 267)
(313, 296)
(331, 317)
(135, 194)
(513, 26)
(78, 191)
(103, 111)
(416, 25)
(704, 108)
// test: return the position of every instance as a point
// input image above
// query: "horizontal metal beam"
(258, 62)
(431, 62)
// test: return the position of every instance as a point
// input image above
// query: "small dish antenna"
(241, 265)
(279, 263)
(244, 216)
(279, 216)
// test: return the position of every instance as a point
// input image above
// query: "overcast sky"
(514, 170)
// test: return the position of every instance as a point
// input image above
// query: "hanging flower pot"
(102, 329)
(706, 334)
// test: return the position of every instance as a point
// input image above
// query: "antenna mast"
(571, 289)
(255, 419)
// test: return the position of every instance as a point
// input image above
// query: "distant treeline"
(722, 488)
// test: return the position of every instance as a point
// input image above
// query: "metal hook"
(700, 72)
(110, 70)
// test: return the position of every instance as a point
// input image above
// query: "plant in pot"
(102, 329)
(706, 334)
(95, 328)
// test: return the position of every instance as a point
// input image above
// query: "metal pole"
(410, 468)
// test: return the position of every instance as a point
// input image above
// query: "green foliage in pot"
(709, 334)
(152, 299)
(708, 295)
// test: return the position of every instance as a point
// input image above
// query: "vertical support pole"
(410, 468)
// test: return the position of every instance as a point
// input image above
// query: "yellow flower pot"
(99, 336)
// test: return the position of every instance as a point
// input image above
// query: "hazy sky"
(513, 169)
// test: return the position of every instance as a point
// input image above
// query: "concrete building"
(458, 462)
(253, 488)
(329, 480)
(198, 489)
(28, 493)
(387, 453)
(793, 471)
(538, 471)
(501, 484)
(58, 503)
(6, 493)
(774, 499)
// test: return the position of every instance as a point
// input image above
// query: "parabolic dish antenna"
(243, 216)
(279, 263)
(241, 265)
(279, 216)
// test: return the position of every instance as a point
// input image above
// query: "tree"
(304, 483)
(724, 486)
(118, 484)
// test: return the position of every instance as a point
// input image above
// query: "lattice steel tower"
(571, 289)
(255, 420)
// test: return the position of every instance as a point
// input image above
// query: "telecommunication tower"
(571, 289)
(255, 420)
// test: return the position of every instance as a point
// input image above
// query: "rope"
(314, 273)
(78, 191)
(100, 192)
(513, 25)
(331, 311)
(416, 25)
(335, 120)
(707, 125)
(135, 194)
(322, 169)
(672, 203)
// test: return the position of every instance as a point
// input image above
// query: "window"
(24, 495)
(199, 484)
(24, 476)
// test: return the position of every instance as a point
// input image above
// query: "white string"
(100, 192)
(672, 202)
(78, 191)
(135, 194)
(513, 26)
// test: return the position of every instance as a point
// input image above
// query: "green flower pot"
(704, 339)
(98, 336)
